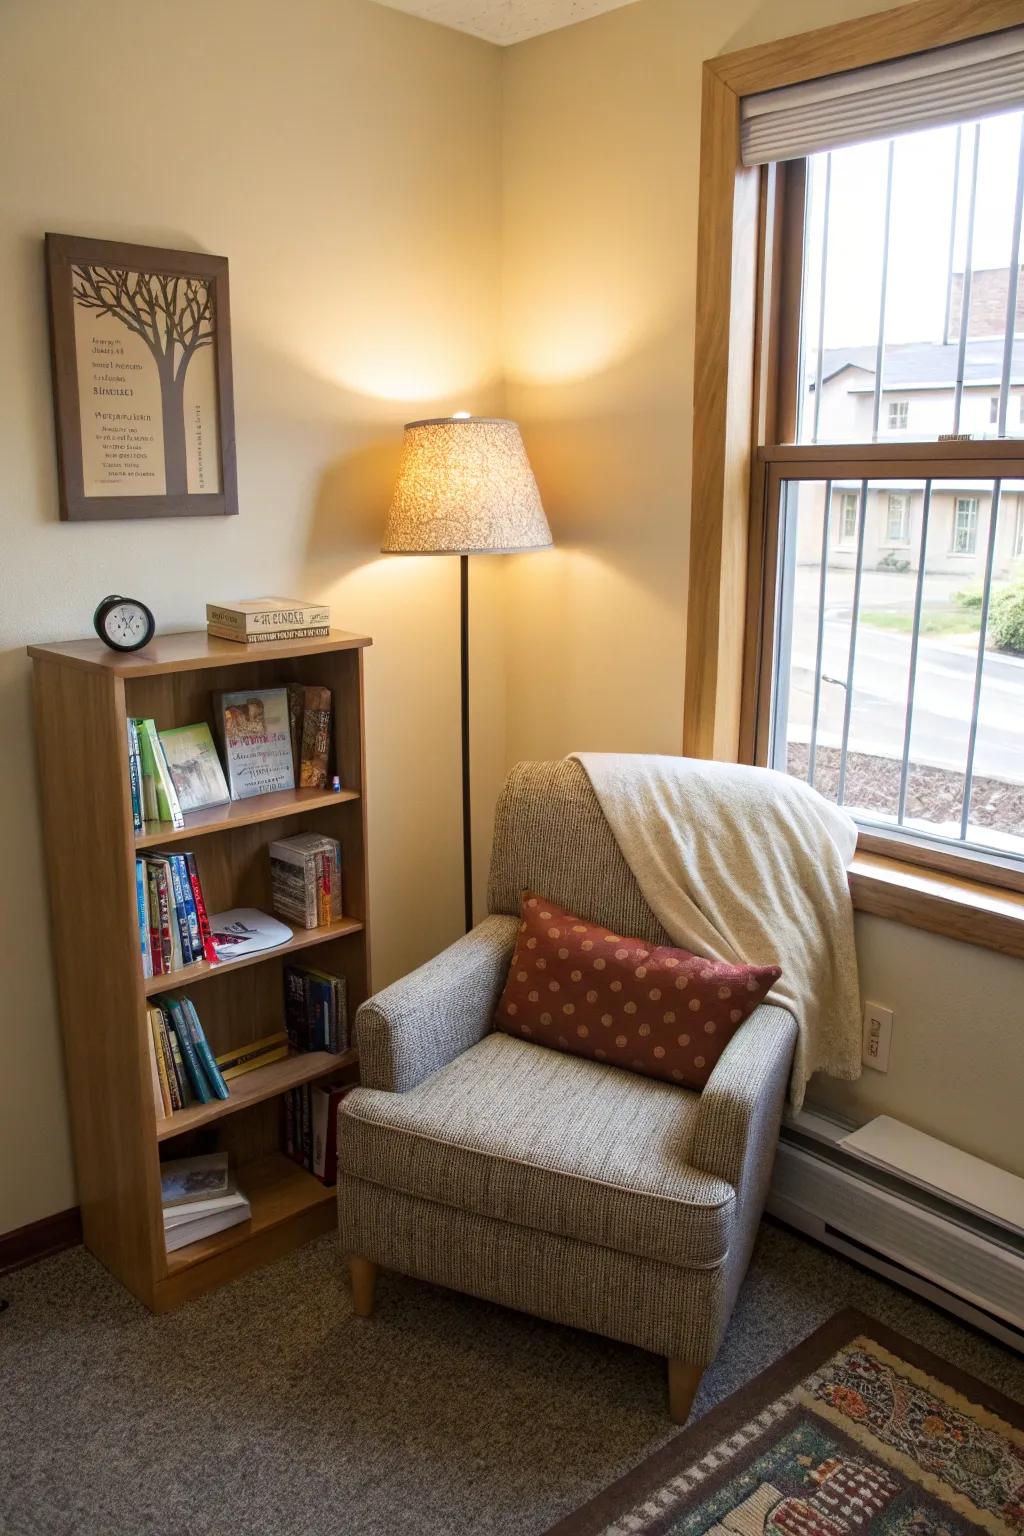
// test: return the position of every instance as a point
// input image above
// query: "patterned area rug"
(856, 1432)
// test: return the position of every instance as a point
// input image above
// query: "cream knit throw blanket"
(746, 865)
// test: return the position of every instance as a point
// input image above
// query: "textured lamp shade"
(465, 486)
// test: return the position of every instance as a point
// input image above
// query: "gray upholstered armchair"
(561, 1186)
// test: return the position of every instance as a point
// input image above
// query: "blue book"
(191, 915)
(196, 1075)
(321, 1006)
(203, 1051)
(142, 909)
(180, 910)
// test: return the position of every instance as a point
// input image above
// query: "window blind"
(925, 90)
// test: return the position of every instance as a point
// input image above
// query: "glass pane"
(933, 299)
(878, 659)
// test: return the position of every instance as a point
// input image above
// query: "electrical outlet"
(877, 1037)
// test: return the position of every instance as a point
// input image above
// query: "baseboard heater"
(929, 1218)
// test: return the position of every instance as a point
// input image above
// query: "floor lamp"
(465, 487)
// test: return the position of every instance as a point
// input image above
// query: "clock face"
(125, 624)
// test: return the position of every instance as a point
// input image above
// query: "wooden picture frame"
(140, 341)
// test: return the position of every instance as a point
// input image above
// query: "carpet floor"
(268, 1408)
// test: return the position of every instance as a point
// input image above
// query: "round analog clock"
(124, 623)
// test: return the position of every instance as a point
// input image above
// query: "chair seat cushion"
(561, 1144)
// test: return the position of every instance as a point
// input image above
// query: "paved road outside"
(944, 686)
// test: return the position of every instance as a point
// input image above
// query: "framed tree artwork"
(141, 349)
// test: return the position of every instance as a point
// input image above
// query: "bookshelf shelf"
(241, 813)
(255, 1087)
(278, 1191)
(85, 694)
(201, 970)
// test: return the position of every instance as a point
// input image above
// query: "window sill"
(939, 903)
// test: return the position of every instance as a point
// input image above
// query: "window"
(846, 524)
(892, 685)
(897, 519)
(965, 525)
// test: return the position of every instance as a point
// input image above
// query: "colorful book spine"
(160, 1101)
(180, 910)
(158, 1024)
(295, 1015)
(155, 764)
(147, 779)
(195, 940)
(202, 1049)
(316, 738)
(135, 775)
(142, 913)
(157, 953)
(196, 1075)
(202, 916)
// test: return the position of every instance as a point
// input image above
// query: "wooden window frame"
(745, 384)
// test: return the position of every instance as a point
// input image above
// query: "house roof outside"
(925, 364)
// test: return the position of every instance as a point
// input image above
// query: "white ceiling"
(505, 21)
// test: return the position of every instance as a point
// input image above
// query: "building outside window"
(965, 525)
(899, 411)
(1018, 530)
(897, 519)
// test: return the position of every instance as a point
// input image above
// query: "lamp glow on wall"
(465, 487)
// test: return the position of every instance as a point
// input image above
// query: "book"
(135, 776)
(305, 879)
(194, 767)
(190, 1056)
(315, 1010)
(180, 1233)
(142, 914)
(253, 725)
(267, 615)
(309, 632)
(202, 1047)
(202, 916)
(245, 931)
(147, 777)
(155, 1020)
(185, 1180)
(325, 1100)
(159, 917)
(175, 1062)
(258, 1053)
(296, 704)
(154, 768)
(159, 1102)
(315, 744)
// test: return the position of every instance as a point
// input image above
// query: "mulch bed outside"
(934, 795)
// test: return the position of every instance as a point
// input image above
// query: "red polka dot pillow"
(582, 988)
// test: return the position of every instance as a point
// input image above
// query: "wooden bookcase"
(84, 694)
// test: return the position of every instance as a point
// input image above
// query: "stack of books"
(311, 1127)
(258, 620)
(174, 926)
(305, 879)
(315, 1010)
(184, 1068)
(199, 1198)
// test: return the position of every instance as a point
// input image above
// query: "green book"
(154, 768)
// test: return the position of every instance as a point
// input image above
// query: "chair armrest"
(741, 1105)
(421, 1023)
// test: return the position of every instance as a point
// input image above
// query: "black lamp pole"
(467, 829)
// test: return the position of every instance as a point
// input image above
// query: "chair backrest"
(550, 836)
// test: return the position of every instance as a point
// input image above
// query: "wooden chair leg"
(363, 1275)
(683, 1381)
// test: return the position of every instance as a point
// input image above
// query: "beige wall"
(345, 158)
(600, 147)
